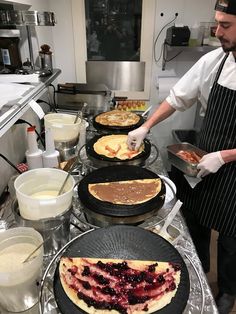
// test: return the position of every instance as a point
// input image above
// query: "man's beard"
(227, 46)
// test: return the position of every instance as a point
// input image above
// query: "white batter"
(45, 194)
(12, 257)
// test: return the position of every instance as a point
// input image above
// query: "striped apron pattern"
(213, 200)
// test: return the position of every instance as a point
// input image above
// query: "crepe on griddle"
(115, 146)
(130, 192)
(117, 118)
(113, 286)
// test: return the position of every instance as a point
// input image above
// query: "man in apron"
(212, 203)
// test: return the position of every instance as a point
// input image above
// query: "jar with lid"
(45, 56)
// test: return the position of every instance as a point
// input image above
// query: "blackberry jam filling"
(119, 286)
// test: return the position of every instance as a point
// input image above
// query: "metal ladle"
(32, 253)
(80, 113)
(73, 166)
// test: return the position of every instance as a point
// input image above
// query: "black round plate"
(117, 129)
(125, 242)
(119, 173)
(91, 152)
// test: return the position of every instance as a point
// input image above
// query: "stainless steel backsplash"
(117, 75)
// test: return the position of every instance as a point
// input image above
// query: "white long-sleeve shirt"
(196, 84)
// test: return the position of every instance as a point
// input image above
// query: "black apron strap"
(221, 67)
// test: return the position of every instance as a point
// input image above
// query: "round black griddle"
(117, 129)
(119, 173)
(92, 154)
(125, 242)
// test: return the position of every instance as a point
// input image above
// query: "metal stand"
(30, 47)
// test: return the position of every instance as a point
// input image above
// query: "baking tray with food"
(185, 157)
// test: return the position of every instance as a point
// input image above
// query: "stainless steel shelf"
(22, 18)
(171, 52)
(18, 109)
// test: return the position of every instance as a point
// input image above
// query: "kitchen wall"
(60, 38)
(189, 13)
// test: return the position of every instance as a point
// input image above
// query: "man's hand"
(210, 163)
(136, 137)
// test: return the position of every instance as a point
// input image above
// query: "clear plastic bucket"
(19, 281)
(63, 127)
(37, 190)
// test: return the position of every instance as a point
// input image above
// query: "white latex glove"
(136, 137)
(210, 163)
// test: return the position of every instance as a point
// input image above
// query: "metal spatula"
(163, 232)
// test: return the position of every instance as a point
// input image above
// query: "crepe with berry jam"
(119, 286)
(115, 146)
(117, 118)
(129, 192)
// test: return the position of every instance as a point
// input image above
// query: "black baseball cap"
(226, 6)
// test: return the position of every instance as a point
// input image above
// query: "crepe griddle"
(91, 152)
(125, 242)
(117, 128)
(119, 173)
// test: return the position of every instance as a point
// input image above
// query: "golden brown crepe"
(130, 192)
(117, 118)
(115, 146)
(112, 286)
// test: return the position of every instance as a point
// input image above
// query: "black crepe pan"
(125, 242)
(116, 212)
(116, 129)
(101, 160)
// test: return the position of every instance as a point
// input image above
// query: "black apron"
(213, 200)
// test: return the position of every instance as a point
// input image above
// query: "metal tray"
(187, 167)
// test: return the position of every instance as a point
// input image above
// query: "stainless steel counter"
(200, 299)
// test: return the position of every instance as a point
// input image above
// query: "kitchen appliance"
(177, 36)
(72, 96)
(65, 133)
(116, 129)
(125, 242)
(102, 161)
(10, 58)
(102, 213)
